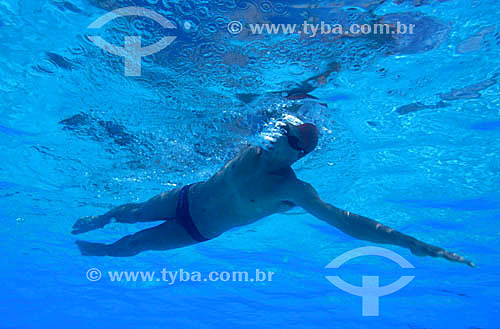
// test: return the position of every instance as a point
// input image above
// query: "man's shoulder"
(295, 189)
(253, 151)
(285, 172)
(248, 153)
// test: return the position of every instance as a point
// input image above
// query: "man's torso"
(240, 193)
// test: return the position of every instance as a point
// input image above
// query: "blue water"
(410, 138)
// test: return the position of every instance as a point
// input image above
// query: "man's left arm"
(363, 228)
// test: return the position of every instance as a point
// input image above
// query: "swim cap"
(309, 134)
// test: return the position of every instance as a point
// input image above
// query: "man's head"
(296, 142)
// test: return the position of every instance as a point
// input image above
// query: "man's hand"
(89, 223)
(420, 248)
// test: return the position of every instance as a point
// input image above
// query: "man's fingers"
(451, 256)
(457, 258)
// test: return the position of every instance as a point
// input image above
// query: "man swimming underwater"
(257, 183)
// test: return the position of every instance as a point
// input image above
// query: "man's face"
(295, 143)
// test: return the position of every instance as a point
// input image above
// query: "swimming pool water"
(409, 137)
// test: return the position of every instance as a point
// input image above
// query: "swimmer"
(257, 183)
